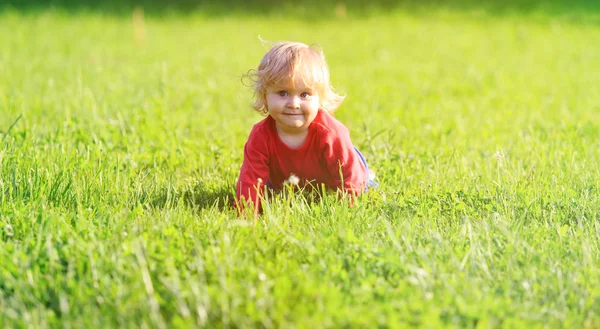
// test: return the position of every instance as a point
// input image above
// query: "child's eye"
(304, 95)
(282, 93)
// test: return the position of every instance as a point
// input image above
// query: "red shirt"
(326, 157)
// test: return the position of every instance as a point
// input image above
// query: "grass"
(120, 143)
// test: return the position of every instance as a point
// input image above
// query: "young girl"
(299, 141)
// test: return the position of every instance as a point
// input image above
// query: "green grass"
(118, 158)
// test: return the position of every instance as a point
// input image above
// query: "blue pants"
(370, 182)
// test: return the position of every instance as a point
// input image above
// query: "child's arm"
(346, 171)
(253, 174)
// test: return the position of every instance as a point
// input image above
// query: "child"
(299, 141)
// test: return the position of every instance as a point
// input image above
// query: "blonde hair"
(282, 62)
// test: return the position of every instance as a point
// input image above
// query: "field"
(121, 137)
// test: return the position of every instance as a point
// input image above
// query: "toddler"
(299, 141)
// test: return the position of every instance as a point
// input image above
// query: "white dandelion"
(8, 229)
(499, 155)
(293, 180)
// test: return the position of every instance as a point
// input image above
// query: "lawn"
(121, 139)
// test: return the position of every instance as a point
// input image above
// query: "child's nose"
(294, 102)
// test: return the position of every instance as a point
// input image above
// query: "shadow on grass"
(204, 196)
(312, 9)
(200, 196)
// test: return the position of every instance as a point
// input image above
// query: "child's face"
(293, 104)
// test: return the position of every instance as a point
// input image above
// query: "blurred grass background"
(316, 9)
(121, 136)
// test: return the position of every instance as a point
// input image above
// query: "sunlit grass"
(120, 144)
